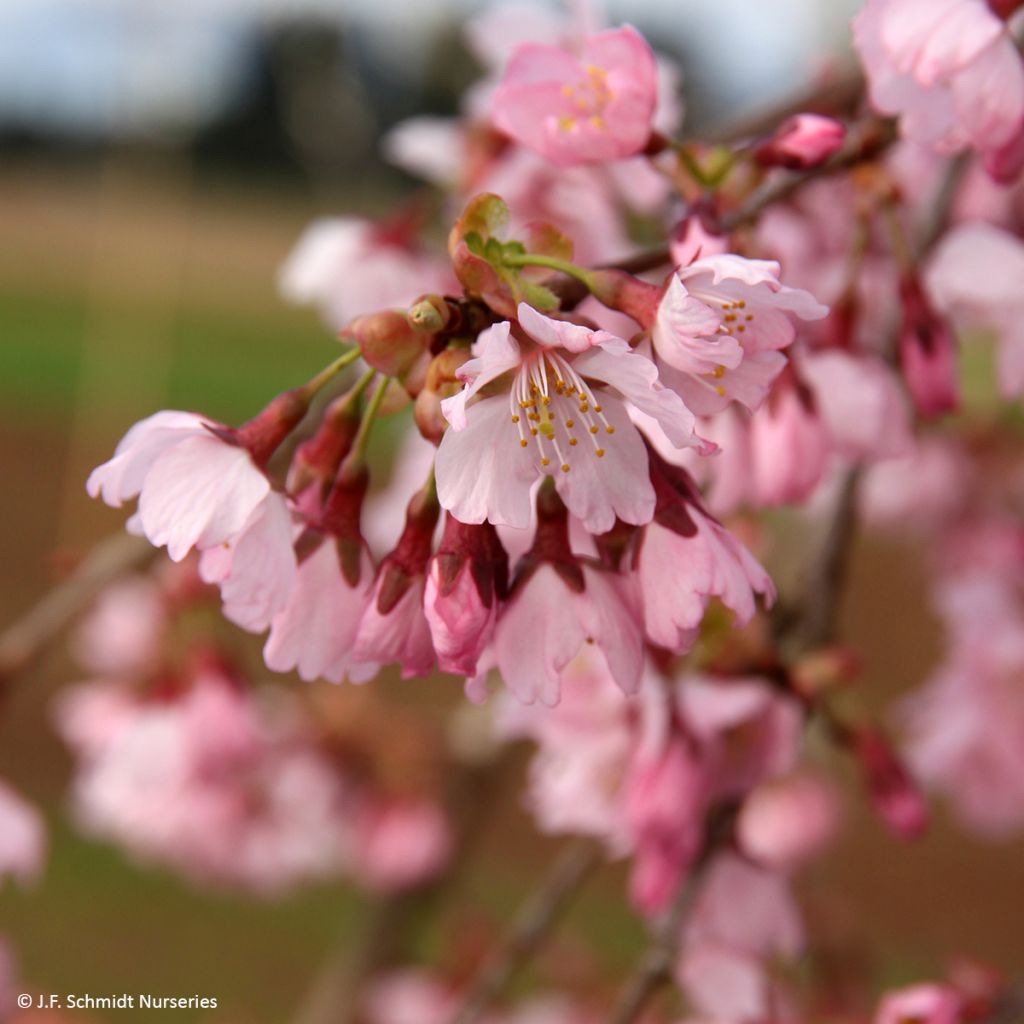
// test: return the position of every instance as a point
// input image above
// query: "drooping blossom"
(558, 605)
(315, 632)
(554, 402)
(466, 583)
(975, 276)
(684, 559)
(347, 266)
(743, 919)
(200, 486)
(394, 627)
(592, 105)
(927, 353)
(948, 68)
(22, 838)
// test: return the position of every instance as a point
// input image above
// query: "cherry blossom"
(593, 105)
(949, 69)
(564, 413)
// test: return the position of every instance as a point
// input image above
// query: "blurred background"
(157, 163)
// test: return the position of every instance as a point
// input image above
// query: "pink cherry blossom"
(789, 446)
(785, 822)
(965, 728)
(948, 68)
(548, 620)
(122, 632)
(925, 1003)
(584, 747)
(218, 784)
(975, 276)
(593, 105)
(685, 558)
(565, 413)
(347, 266)
(315, 632)
(22, 838)
(400, 843)
(466, 583)
(195, 489)
(744, 917)
(747, 730)
(663, 800)
(257, 568)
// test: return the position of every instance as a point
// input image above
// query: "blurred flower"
(22, 838)
(572, 109)
(949, 68)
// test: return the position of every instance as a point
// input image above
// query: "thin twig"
(654, 969)
(27, 638)
(530, 929)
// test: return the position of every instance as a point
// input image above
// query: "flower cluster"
(588, 431)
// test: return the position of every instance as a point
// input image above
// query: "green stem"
(329, 372)
(535, 259)
(355, 458)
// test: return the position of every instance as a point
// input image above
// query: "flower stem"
(536, 259)
(356, 456)
(329, 372)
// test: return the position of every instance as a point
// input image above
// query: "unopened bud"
(429, 314)
(440, 382)
(927, 353)
(801, 142)
(894, 795)
(387, 340)
(628, 294)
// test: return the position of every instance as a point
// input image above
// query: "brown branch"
(27, 638)
(531, 927)
(654, 969)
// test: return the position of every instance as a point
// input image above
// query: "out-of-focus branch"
(336, 991)
(653, 971)
(531, 927)
(27, 638)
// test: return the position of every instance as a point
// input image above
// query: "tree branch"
(531, 927)
(27, 638)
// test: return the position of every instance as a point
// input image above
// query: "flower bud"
(387, 340)
(894, 795)
(429, 314)
(440, 383)
(466, 581)
(927, 353)
(801, 142)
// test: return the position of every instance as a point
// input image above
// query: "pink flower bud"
(466, 582)
(801, 142)
(894, 795)
(401, 844)
(927, 353)
(388, 341)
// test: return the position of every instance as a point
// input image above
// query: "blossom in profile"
(949, 69)
(194, 488)
(587, 106)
